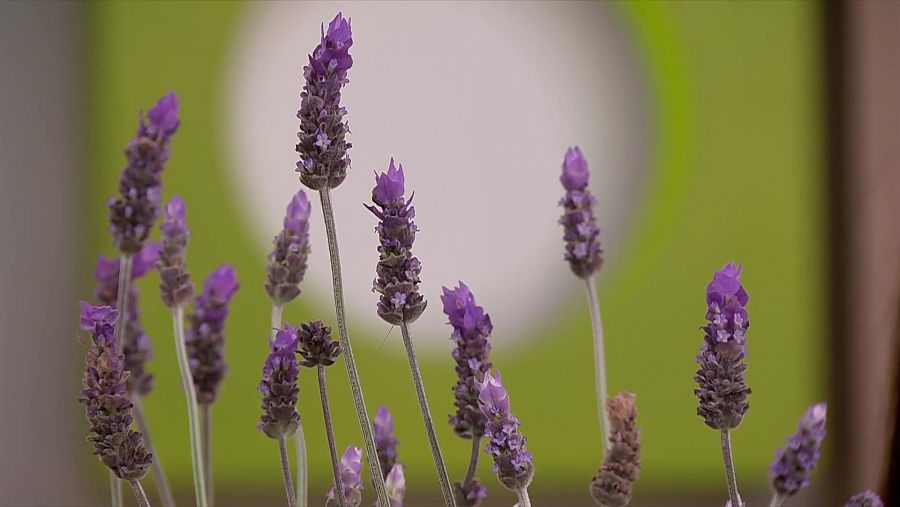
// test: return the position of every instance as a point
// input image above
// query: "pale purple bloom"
(506, 444)
(395, 482)
(288, 260)
(469, 494)
(350, 469)
(722, 391)
(175, 284)
(385, 439)
(205, 335)
(791, 470)
(279, 386)
(614, 483)
(865, 499)
(580, 231)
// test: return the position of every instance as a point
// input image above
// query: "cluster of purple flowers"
(506, 444)
(205, 336)
(386, 442)
(793, 464)
(279, 386)
(350, 468)
(175, 280)
(581, 233)
(287, 262)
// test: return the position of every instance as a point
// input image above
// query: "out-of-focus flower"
(287, 262)
(614, 482)
(350, 468)
(791, 470)
(865, 499)
(385, 439)
(581, 233)
(279, 386)
(395, 482)
(205, 336)
(175, 281)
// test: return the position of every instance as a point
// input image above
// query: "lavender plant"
(792, 468)
(323, 165)
(865, 499)
(287, 266)
(318, 350)
(722, 391)
(471, 329)
(386, 441)
(395, 482)
(584, 255)
(280, 394)
(397, 282)
(614, 482)
(205, 341)
(176, 288)
(105, 397)
(349, 494)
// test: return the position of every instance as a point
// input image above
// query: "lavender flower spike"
(279, 386)
(287, 262)
(865, 499)
(105, 397)
(790, 471)
(581, 233)
(613, 484)
(395, 482)
(398, 270)
(205, 336)
(512, 461)
(175, 281)
(351, 479)
(722, 391)
(323, 147)
(385, 439)
(133, 213)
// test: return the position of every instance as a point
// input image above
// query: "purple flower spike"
(506, 444)
(397, 273)
(175, 281)
(279, 386)
(471, 330)
(385, 439)
(614, 483)
(205, 336)
(287, 262)
(316, 346)
(470, 494)
(865, 499)
(133, 214)
(790, 471)
(581, 233)
(323, 147)
(105, 397)
(722, 391)
(350, 468)
(395, 482)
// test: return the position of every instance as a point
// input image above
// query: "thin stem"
(524, 499)
(159, 474)
(599, 359)
(444, 480)
(115, 490)
(729, 470)
(277, 310)
(140, 494)
(302, 480)
(329, 432)
(777, 500)
(122, 299)
(206, 427)
(473, 460)
(286, 471)
(190, 396)
(355, 388)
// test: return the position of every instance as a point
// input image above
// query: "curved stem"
(473, 460)
(729, 470)
(302, 480)
(115, 490)
(329, 432)
(190, 396)
(122, 299)
(599, 359)
(444, 480)
(159, 474)
(777, 500)
(206, 416)
(140, 494)
(349, 361)
(524, 499)
(277, 311)
(286, 471)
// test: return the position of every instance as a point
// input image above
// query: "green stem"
(302, 480)
(115, 490)
(599, 359)
(159, 474)
(355, 387)
(190, 396)
(777, 500)
(524, 499)
(729, 470)
(277, 310)
(286, 471)
(329, 433)
(444, 480)
(206, 415)
(140, 494)
(473, 460)
(122, 290)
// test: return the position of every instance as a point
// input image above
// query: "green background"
(735, 173)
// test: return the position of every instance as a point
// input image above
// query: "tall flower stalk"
(506, 444)
(322, 166)
(176, 288)
(205, 342)
(614, 482)
(280, 394)
(471, 329)
(584, 255)
(397, 282)
(722, 391)
(318, 350)
(287, 266)
(792, 467)
(107, 406)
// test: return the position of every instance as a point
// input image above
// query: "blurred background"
(763, 133)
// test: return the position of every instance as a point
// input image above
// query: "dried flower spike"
(385, 439)
(397, 274)
(791, 470)
(512, 461)
(722, 391)
(105, 397)
(865, 499)
(133, 213)
(613, 484)
(205, 336)
(581, 232)
(279, 387)
(315, 345)
(351, 479)
(288, 260)
(175, 281)
(323, 147)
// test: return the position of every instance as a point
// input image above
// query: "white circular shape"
(479, 102)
